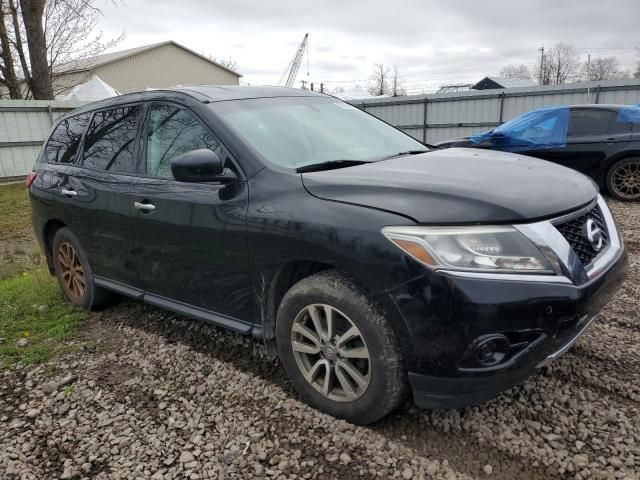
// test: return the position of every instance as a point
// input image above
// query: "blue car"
(601, 141)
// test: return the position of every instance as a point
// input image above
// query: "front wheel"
(623, 179)
(339, 350)
(74, 272)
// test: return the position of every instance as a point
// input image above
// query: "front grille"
(574, 232)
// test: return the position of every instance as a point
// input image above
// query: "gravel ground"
(150, 395)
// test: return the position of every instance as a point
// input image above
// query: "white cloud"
(432, 42)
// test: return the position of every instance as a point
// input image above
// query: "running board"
(187, 310)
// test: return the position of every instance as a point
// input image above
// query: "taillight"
(30, 179)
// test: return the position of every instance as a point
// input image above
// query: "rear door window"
(172, 132)
(63, 144)
(590, 121)
(111, 139)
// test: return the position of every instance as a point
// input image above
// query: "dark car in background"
(601, 141)
(371, 265)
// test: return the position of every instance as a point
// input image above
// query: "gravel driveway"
(146, 394)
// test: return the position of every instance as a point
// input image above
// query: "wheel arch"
(612, 161)
(274, 290)
(48, 233)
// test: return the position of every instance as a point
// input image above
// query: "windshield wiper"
(408, 152)
(330, 165)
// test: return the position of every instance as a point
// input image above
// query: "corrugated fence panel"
(463, 111)
(24, 125)
(17, 161)
(435, 135)
(627, 97)
(406, 114)
(460, 114)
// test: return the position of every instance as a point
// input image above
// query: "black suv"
(369, 264)
(602, 141)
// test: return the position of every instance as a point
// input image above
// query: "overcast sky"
(432, 42)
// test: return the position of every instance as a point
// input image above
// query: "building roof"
(454, 88)
(89, 63)
(501, 82)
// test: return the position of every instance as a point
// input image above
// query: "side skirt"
(187, 310)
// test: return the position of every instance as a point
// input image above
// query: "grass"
(15, 212)
(19, 251)
(21, 316)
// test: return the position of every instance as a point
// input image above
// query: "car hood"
(458, 185)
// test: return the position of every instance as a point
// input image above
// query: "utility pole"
(304, 84)
(589, 77)
(541, 50)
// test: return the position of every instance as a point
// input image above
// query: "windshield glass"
(294, 132)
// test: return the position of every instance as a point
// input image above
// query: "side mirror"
(197, 166)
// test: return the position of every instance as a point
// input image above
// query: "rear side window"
(172, 132)
(110, 141)
(65, 139)
(586, 121)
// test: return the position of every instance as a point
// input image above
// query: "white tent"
(92, 90)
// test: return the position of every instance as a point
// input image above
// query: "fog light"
(487, 351)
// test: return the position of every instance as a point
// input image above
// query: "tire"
(77, 281)
(349, 306)
(623, 179)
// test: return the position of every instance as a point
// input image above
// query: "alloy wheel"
(331, 353)
(626, 180)
(71, 272)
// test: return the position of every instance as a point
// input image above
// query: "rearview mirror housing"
(201, 165)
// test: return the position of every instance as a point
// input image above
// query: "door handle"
(68, 193)
(145, 207)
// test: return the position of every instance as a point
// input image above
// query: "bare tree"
(379, 80)
(559, 64)
(516, 71)
(397, 87)
(32, 16)
(8, 76)
(18, 43)
(603, 68)
(69, 26)
(637, 73)
(229, 63)
(55, 32)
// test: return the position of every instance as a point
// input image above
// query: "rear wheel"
(339, 350)
(623, 179)
(74, 272)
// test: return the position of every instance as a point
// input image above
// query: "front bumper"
(445, 313)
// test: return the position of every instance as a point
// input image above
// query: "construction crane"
(294, 64)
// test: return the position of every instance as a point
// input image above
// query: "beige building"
(152, 66)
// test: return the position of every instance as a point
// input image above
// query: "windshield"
(294, 132)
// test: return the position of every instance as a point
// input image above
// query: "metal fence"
(24, 125)
(437, 117)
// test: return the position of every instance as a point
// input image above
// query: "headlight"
(495, 249)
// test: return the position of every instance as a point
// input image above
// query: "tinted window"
(172, 132)
(65, 139)
(110, 140)
(586, 121)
